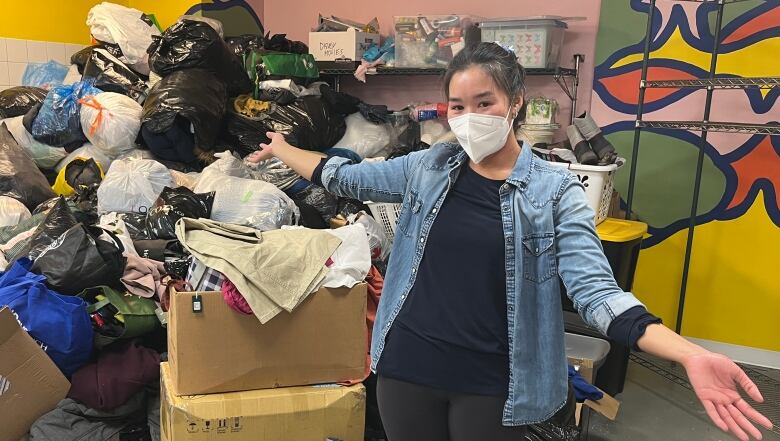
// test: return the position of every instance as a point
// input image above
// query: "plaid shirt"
(203, 278)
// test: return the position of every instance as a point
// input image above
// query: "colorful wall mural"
(734, 291)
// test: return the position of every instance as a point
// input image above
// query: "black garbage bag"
(190, 44)
(19, 176)
(280, 43)
(193, 94)
(172, 205)
(310, 123)
(406, 137)
(136, 225)
(58, 220)
(343, 103)
(243, 43)
(560, 427)
(277, 95)
(326, 204)
(79, 260)
(111, 75)
(81, 57)
(348, 206)
(19, 100)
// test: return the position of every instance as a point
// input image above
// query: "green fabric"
(138, 312)
(260, 64)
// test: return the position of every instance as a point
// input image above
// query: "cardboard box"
(313, 413)
(30, 383)
(220, 350)
(607, 406)
(350, 44)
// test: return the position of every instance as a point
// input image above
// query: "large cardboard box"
(348, 45)
(220, 350)
(30, 383)
(306, 413)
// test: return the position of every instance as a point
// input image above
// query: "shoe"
(580, 146)
(592, 132)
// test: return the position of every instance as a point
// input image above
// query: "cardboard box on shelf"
(348, 45)
(30, 383)
(305, 413)
(220, 350)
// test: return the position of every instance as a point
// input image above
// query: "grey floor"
(656, 404)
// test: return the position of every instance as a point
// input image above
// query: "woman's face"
(474, 91)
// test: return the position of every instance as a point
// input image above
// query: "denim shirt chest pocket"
(539, 257)
(411, 206)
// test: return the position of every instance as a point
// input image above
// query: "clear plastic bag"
(12, 212)
(132, 186)
(45, 156)
(111, 122)
(365, 138)
(246, 201)
(46, 74)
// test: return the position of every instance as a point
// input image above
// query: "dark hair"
(499, 63)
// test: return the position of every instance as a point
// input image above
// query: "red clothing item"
(375, 283)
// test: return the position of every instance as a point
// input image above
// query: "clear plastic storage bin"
(536, 41)
(425, 41)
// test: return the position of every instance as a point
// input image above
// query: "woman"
(468, 341)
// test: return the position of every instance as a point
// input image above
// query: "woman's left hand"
(714, 378)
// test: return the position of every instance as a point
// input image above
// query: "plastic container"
(426, 41)
(581, 346)
(599, 182)
(387, 215)
(428, 112)
(536, 41)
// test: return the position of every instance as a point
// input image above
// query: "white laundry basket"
(387, 215)
(599, 181)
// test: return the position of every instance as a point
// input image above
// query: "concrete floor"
(654, 408)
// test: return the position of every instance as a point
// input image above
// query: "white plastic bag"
(352, 259)
(246, 201)
(45, 156)
(365, 138)
(116, 24)
(132, 186)
(187, 180)
(377, 238)
(12, 212)
(87, 151)
(111, 122)
(230, 165)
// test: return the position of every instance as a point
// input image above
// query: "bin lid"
(539, 20)
(619, 230)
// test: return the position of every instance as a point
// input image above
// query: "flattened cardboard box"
(296, 413)
(30, 383)
(324, 340)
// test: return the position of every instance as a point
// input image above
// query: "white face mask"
(481, 135)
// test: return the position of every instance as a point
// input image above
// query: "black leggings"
(417, 413)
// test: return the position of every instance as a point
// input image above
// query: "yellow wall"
(733, 293)
(65, 21)
(166, 11)
(50, 20)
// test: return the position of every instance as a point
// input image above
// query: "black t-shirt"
(452, 330)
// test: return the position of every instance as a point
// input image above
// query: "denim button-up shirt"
(549, 235)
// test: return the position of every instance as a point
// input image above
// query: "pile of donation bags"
(132, 232)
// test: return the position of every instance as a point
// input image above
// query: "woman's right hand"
(267, 150)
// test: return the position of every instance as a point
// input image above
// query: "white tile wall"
(15, 54)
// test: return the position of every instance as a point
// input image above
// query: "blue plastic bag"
(60, 324)
(58, 122)
(44, 75)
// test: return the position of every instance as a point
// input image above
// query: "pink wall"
(296, 18)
